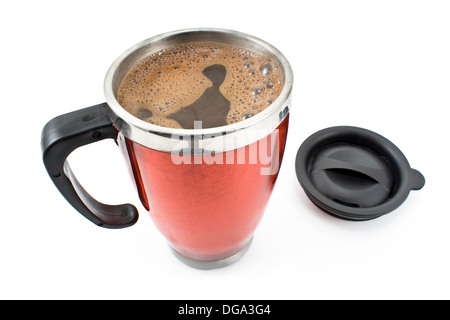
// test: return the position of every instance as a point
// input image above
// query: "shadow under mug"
(205, 189)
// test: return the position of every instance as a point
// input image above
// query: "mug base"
(215, 264)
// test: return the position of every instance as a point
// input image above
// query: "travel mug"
(205, 189)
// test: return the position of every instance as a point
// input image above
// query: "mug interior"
(138, 130)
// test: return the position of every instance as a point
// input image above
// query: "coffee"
(215, 83)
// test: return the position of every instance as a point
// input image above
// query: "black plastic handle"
(60, 137)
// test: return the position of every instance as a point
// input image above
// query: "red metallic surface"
(206, 211)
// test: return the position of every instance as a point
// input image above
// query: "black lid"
(355, 174)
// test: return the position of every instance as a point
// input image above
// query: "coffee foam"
(166, 81)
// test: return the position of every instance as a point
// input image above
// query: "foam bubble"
(266, 68)
(258, 89)
(268, 83)
(247, 115)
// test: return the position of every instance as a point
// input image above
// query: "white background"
(381, 65)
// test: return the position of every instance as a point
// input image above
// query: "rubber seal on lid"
(355, 174)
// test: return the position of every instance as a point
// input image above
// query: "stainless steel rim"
(218, 139)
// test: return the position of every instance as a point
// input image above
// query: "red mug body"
(207, 209)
